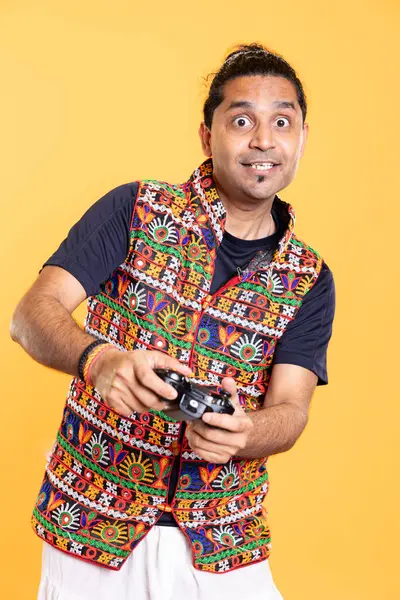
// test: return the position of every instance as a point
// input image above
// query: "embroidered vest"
(106, 483)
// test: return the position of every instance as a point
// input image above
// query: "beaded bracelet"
(84, 355)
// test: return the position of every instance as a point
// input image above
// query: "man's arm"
(95, 245)
(270, 430)
(42, 324)
(284, 415)
(299, 365)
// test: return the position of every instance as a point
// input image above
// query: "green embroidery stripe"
(165, 186)
(109, 476)
(117, 307)
(144, 324)
(169, 250)
(241, 365)
(264, 292)
(233, 551)
(162, 415)
(154, 329)
(79, 538)
(209, 495)
(314, 251)
(296, 242)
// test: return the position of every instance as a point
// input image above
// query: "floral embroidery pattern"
(107, 480)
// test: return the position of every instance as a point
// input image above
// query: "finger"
(197, 442)
(147, 378)
(216, 459)
(215, 434)
(131, 400)
(137, 392)
(121, 392)
(131, 389)
(229, 385)
(234, 423)
(212, 457)
(221, 451)
(132, 394)
(119, 406)
(137, 402)
(118, 385)
(163, 361)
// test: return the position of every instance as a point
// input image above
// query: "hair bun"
(246, 49)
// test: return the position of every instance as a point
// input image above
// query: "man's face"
(257, 137)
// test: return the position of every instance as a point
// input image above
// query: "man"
(206, 278)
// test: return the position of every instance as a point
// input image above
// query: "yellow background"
(95, 94)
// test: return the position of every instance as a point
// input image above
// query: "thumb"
(229, 385)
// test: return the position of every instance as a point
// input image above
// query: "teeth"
(262, 166)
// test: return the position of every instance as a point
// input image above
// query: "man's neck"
(248, 222)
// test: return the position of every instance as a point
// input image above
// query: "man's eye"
(242, 121)
(282, 122)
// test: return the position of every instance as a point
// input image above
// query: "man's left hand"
(217, 437)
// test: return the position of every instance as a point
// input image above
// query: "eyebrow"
(240, 104)
(284, 104)
(247, 104)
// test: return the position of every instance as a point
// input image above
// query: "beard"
(258, 190)
(245, 185)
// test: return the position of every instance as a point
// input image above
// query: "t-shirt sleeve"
(99, 242)
(305, 340)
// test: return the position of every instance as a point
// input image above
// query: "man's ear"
(205, 138)
(305, 136)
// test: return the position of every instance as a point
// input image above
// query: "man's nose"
(263, 137)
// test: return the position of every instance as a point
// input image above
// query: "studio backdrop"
(96, 94)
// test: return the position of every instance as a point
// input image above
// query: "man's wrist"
(87, 356)
(92, 359)
(97, 365)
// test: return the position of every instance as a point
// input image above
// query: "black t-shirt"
(98, 243)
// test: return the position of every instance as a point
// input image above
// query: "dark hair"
(250, 59)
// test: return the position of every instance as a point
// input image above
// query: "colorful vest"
(106, 482)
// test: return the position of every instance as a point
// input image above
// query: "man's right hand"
(127, 382)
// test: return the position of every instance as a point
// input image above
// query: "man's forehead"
(258, 91)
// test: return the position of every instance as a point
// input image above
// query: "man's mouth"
(261, 166)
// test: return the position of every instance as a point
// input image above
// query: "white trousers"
(160, 568)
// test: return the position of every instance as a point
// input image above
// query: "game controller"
(193, 400)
